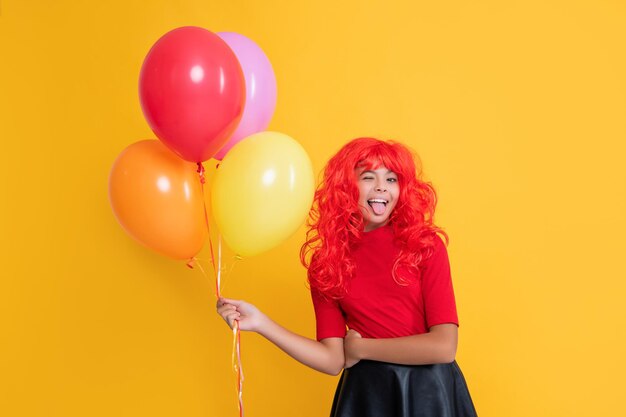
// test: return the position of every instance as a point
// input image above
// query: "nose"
(380, 187)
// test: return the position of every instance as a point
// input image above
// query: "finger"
(353, 333)
(226, 308)
(230, 319)
(233, 302)
(231, 316)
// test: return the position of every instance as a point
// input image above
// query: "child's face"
(378, 194)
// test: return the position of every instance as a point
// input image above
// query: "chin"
(371, 225)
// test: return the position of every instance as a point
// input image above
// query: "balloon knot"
(201, 172)
(190, 263)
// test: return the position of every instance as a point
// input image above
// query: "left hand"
(247, 315)
(350, 344)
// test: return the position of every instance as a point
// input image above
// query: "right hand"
(247, 315)
(350, 348)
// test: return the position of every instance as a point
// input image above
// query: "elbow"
(334, 371)
(443, 357)
(448, 357)
(331, 359)
(334, 367)
(445, 351)
(446, 341)
(448, 353)
(331, 370)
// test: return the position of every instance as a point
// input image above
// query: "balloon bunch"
(207, 95)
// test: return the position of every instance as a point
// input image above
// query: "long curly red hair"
(336, 223)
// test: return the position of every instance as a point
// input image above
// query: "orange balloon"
(157, 198)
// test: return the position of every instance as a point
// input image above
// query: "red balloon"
(192, 92)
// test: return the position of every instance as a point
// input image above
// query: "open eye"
(392, 179)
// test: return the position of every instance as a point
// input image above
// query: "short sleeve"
(329, 318)
(437, 290)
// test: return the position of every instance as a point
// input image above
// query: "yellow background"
(516, 108)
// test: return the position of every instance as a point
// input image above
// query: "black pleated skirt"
(380, 389)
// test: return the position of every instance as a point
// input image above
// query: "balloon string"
(237, 367)
(219, 263)
(208, 229)
(236, 351)
(217, 269)
(200, 171)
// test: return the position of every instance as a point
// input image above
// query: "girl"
(376, 265)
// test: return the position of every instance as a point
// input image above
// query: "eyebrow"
(369, 171)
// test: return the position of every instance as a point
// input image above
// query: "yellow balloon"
(262, 192)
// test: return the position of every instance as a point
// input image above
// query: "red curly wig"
(336, 223)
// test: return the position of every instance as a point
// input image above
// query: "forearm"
(429, 348)
(326, 356)
(323, 357)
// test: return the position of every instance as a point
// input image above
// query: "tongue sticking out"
(379, 208)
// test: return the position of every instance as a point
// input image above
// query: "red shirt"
(378, 307)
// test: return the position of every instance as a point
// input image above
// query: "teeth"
(377, 200)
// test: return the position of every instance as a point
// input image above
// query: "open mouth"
(378, 205)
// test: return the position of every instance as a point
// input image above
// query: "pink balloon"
(260, 88)
(192, 92)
